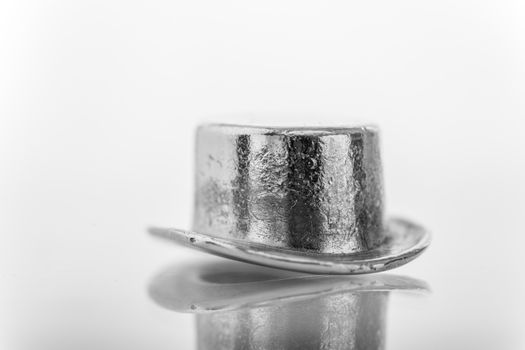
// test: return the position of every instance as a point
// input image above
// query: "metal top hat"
(306, 199)
(241, 306)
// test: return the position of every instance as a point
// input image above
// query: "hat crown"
(313, 189)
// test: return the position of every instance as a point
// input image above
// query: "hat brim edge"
(404, 242)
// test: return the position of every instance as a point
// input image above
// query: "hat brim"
(213, 286)
(404, 241)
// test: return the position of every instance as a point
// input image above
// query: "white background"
(99, 100)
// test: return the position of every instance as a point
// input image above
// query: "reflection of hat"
(251, 307)
(306, 199)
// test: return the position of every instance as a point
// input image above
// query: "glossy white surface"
(98, 101)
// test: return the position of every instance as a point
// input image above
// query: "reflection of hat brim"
(403, 242)
(228, 285)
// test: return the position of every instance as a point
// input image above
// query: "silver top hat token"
(304, 199)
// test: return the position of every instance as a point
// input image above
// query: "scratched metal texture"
(309, 189)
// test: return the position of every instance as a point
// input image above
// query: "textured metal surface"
(303, 199)
(241, 306)
(316, 189)
(403, 241)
